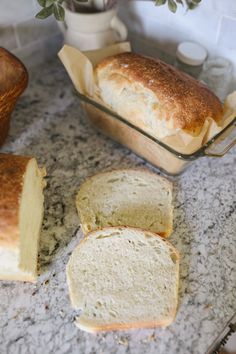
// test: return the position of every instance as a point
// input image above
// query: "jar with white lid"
(217, 75)
(190, 57)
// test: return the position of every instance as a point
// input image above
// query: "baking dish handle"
(222, 143)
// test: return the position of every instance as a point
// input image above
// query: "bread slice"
(21, 215)
(123, 278)
(135, 198)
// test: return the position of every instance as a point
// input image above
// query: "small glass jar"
(190, 57)
(216, 74)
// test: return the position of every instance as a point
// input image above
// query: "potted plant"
(87, 24)
(93, 24)
(55, 7)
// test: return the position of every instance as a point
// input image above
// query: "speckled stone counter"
(37, 318)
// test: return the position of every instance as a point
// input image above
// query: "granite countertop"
(49, 123)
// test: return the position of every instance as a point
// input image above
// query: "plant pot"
(88, 31)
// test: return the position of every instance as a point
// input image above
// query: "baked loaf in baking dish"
(21, 215)
(123, 278)
(154, 95)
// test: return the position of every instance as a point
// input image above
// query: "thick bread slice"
(123, 278)
(21, 215)
(135, 198)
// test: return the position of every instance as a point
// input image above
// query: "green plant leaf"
(42, 3)
(58, 12)
(192, 4)
(45, 12)
(47, 3)
(172, 6)
(50, 2)
(180, 2)
(160, 2)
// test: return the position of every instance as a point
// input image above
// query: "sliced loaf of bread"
(21, 216)
(135, 198)
(123, 278)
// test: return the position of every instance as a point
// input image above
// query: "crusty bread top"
(182, 99)
(12, 170)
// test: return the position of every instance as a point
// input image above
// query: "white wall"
(208, 24)
(30, 39)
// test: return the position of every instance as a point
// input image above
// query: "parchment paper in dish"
(80, 67)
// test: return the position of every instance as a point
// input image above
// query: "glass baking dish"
(148, 147)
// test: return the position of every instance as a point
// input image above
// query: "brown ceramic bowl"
(13, 81)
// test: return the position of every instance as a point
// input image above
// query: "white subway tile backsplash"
(206, 25)
(150, 10)
(227, 33)
(33, 29)
(133, 13)
(162, 35)
(132, 19)
(202, 20)
(23, 34)
(140, 45)
(37, 6)
(225, 7)
(40, 51)
(15, 10)
(7, 37)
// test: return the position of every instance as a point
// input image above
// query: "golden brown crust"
(19, 277)
(182, 99)
(12, 170)
(86, 231)
(120, 327)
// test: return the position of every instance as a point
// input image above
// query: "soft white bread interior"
(21, 215)
(135, 198)
(123, 278)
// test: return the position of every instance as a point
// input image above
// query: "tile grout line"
(17, 37)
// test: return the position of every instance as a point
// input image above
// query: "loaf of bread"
(21, 214)
(155, 96)
(129, 197)
(123, 278)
